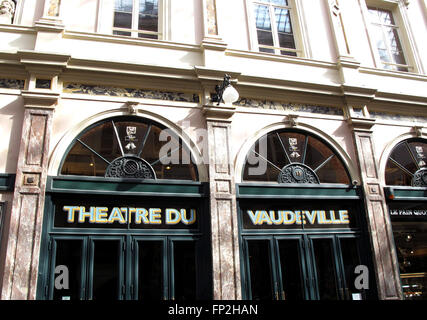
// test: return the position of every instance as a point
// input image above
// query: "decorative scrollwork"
(420, 178)
(297, 173)
(130, 167)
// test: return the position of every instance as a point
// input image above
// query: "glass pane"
(378, 37)
(286, 41)
(419, 150)
(385, 17)
(411, 244)
(402, 155)
(150, 270)
(265, 38)
(333, 172)
(106, 268)
(262, 18)
(294, 144)
(260, 269)
(123, 14)
(351, 260)
(185, 273)
(317, 153)
(395, 176)
(291, 268)
(283, 20)
(148, 15)
(325, 269)
(100, 145)
(68, 254)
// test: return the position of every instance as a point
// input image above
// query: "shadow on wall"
(14, 113)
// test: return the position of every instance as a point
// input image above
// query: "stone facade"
(65, 75)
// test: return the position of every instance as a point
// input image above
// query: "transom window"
(274, 27)
(293, 157)
(386, 37)
(126, 147)
(407, 164)
(137, 18)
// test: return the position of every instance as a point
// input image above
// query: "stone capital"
(222, 112)
(40, 99)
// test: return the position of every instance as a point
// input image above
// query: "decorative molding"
(12, 84)
(291, 107)
(397, 117)
(78, 88)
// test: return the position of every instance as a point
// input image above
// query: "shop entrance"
(301, 267)
(116, 268)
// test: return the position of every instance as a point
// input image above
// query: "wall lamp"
(225, 92)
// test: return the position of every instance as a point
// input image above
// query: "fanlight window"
(407, 164)
(293, 157)
(129, 148)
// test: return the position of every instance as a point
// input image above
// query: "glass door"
(301, 267)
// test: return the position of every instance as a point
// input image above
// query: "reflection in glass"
(106, 268)
(260, 270)
(150, 270)
(386, 37)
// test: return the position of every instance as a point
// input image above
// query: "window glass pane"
(333, 172)
(283, 20)
(262, 18)
(317, 153)
(395, 176)
(148, 15)
(286, 41)
(351, 260)
(325, 269)
(123, 14)
(69, 254)
(96, 148)
(373, 15)
(294, 144)
(402, 155)
(150, 270)
(378, 37)
(385, 17)
(260, 270)
(106, 269)
(265, 38)
(185, 273)
(291, 269)
(419, 151)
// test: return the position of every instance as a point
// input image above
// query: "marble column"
(24, 234)
(378, 219)
(224, 228)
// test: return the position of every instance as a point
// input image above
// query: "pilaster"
(379, 224)
(224, 227)
(23, 247)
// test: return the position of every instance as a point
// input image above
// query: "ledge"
(405, 193)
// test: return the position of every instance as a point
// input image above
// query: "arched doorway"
(302, 230)
(126, 217)
(406, 179)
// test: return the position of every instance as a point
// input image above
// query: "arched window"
(293, 157)
(129, 147)
(407, 164)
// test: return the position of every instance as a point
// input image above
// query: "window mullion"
(135, 16)
(274, 29)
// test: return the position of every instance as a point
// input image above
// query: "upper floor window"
(274, 26)
(386, 39)
(136, 18)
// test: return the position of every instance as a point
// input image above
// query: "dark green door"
(301, 267)
(123, 267)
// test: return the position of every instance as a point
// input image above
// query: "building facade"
(126, 172)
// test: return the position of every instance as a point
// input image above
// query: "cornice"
(40, 99)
